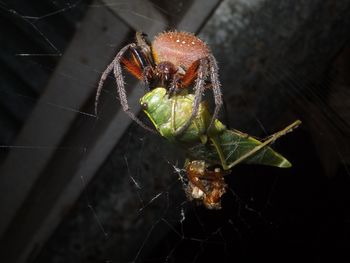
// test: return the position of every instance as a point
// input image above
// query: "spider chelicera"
(175, 61)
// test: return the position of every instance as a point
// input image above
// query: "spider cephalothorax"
(174, 60)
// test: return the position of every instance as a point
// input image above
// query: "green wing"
(238, 147)
(219, 146)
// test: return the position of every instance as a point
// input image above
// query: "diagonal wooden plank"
(69, 88)
(140, 15)
(47, 207)
(197, 15)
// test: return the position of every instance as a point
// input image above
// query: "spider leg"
(183, 81)
(141, 54)
(214, 77)
(174, 84)
(199, 89)
(107, 71)
(133, 68)
(123, 98)
(144, 47)
(147, 75)
(103, 78)
(190, 75)
(116, 68)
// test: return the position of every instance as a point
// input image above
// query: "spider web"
(135, 208)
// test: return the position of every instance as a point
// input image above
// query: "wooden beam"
(197, 15)
(140, 15)
(46, 205)
(70, 86)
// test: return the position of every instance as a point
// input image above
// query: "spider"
(174, 60)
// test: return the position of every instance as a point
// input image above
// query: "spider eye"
(144, 106)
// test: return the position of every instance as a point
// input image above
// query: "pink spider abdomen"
(179, 48)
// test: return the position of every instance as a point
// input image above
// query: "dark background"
(76, 188)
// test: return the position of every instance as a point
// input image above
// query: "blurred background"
(77, 188)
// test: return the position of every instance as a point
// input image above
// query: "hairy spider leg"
(123, 99)
(141, 58)
(214, 77)
(190, 75)
(185, 80)
(199, 69)
(141, 65)
(133, 68)
(116, 68)
(144, 47)
(199, 89)
(103, 78)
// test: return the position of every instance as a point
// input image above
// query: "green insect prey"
(217, 146)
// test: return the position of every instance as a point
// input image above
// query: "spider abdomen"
(179, 48)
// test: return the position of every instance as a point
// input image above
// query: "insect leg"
(199, 89)
(264, 144)
(214, 76)
(220, 152)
